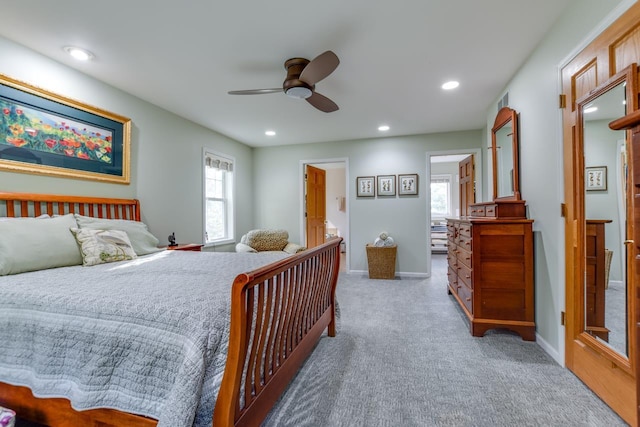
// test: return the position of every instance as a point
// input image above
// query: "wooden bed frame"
(278, 314)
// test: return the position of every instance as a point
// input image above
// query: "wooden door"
(610, 374)
(466, 170)
(315, 192)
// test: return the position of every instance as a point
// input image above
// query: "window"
(440, 195)
(218, 198)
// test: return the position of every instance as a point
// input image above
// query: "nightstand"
(195, 247)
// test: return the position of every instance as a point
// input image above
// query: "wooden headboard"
(32, 205)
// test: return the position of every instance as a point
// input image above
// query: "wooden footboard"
(278, 314)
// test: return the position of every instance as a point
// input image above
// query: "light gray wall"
(166, 151)
(277, 184)
(533, 92)
(600, 149)
(449, 168)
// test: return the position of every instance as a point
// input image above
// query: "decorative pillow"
(241, 247)
(142, 241)
(294, 248)
(267, 240)
(102, 246)
(29, 244)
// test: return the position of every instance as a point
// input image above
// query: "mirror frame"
(506, 115)
(628, 75)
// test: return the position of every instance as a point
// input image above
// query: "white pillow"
(142, 241)
(10, 218)
(29, 244)
(102, 246)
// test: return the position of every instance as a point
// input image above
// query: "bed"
(198, 330)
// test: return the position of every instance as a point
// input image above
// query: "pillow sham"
(103, 246)
(142, 241)
(30, 244)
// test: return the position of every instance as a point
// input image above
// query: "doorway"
(443, 196)
(332, 176)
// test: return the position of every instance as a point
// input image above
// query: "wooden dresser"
(596, 279)
(490, 260)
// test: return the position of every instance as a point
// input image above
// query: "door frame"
(478, 163)
(303, 221)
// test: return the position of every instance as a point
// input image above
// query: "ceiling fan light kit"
(302, 76)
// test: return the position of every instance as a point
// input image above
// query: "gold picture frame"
(44, 133)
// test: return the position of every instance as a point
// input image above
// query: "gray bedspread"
(147, 336)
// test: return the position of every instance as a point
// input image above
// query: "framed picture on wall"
(386, 185)
(408, 184)
(45, 133)
(596, 178)
(365, 186)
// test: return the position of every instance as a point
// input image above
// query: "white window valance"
(218, 162)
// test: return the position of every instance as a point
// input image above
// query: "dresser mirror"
(504, 154)
(606, 233)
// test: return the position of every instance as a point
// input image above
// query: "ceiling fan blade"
(319, 68)
(254, 91)
(322, 103)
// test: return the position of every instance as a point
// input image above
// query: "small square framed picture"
(386, 185)
(408, 184)
(596, 178)
(365, 186)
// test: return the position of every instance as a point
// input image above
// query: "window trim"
(231, 228)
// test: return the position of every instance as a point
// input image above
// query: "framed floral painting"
(45, 133)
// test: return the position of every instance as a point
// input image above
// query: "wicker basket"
(382, 261)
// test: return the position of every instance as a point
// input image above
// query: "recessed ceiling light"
(450, 85)
(383, 128)
(78, 53)
(590, 110)
(270, 133)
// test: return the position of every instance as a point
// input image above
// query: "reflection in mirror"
(504, 159)
(504, 147)
(605, 195)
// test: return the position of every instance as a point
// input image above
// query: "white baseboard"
(398, 274)
(550, 350)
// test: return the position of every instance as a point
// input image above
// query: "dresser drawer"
(490, 210)
(464, 275)
(466, 296)
(452, 278)
(452, 257)
(475, 210)
(452, 231)
(464, 242)
(464, 229)
(464, 257)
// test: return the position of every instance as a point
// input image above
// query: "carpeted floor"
(404, 357)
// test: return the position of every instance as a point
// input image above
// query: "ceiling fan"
(302, 76)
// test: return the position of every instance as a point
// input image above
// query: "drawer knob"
(468, 299)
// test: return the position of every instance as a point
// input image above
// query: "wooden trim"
(278, 313)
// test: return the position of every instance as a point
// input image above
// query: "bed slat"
(274, 328)
(127, 208)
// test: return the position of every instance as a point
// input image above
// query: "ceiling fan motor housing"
(293, 86)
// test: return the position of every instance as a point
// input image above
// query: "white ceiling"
(185, 56)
